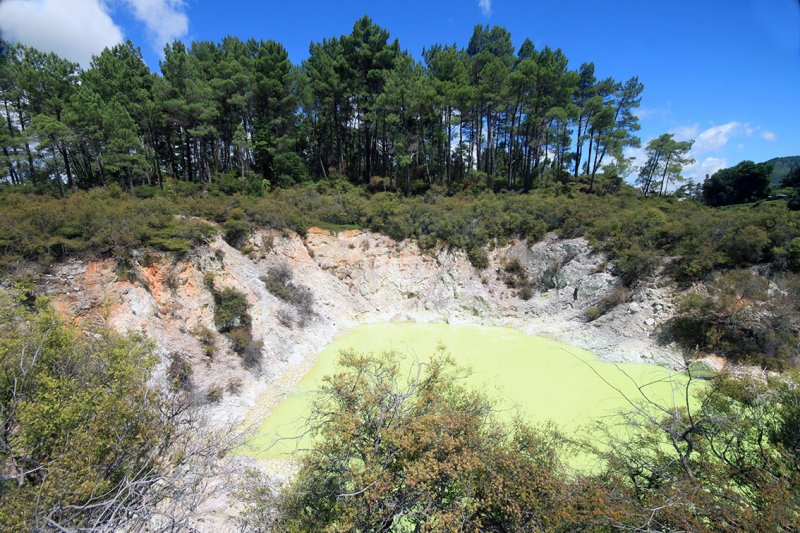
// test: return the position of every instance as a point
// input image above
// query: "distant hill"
(782, 167)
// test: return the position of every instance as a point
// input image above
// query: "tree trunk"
(57, 175)
(67, 167)
(10, 167)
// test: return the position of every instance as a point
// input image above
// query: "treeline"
(359, 106)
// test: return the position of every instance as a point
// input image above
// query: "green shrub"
(477, 256)
(746, 245)
(514, 267)
(793, 200)
(740, 318)
(214, 394)
(635, 263)
(278, 283)
(206, 338)
(180, 372)
(593, 312)
(240, 338)
(87, 425)
(793, 250)
(230, 309)
(235, 231)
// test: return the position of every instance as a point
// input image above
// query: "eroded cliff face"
(355, 277)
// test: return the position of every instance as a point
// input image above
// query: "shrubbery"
(87, 444)
(743, 316)
(232, 317)
(635, 232)
(516, 277)
(608, 302)
(408, 450)
(278, 282)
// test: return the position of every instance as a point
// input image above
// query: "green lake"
(541, 377)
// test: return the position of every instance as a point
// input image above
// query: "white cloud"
(73, 29)
(486, 7)
(698, 171)
(714, 138)
(685, 133)
(638, 156)
(768, 135)
(653, 112)
(164, 20)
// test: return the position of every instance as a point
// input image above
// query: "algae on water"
(541, 378)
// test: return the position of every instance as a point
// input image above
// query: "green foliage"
(230, 309)
(793, 201)
(745, 182)
(278, 282)
(731, 459)
(792, 178)
(745, 246)
(636, 263)
(516, 277)
(417, 450)
(666, 159)
(391, 443)
(81, 426)
(781, 167)
(742, 318)
(794, 254)
(478, 257)
(232, 317)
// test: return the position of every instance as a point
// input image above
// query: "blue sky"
(723, 72)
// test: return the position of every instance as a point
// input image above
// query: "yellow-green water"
(543, 378)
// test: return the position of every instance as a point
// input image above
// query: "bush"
(594, 312)
(436, 441)
(180, 372)
(634, 264)
(793, 200)
(83, 426)
(235, 231)
(206, 338)
(741, 318)
(240, 338)
(525, 293)
(794, 254)
(252, 356)
(230, 310)
(214, 394)
(278, 283)
(514, 267)
(477, 256)
(746, 245)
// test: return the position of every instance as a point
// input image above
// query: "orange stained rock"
(154, 280)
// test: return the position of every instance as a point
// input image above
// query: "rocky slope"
(355, 277)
